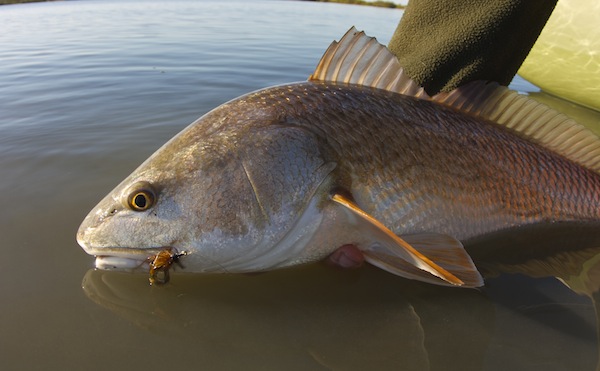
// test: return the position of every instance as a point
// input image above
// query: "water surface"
(89, 89)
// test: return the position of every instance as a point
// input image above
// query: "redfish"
(358, 155)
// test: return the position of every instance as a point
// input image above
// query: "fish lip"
(126, 252)
(122, 258)
(112, 262)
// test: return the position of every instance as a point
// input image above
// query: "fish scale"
(361, 160)
(463, 153)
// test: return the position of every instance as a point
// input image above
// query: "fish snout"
(84, 234)
(84, 239)
(88, 230)
(97, 240)
(81, 238)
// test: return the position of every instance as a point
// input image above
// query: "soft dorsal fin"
(528, 117)
(360, 59)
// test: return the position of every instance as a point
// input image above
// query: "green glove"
(444, 44)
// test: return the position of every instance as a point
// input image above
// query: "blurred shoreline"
(9, 2)
(381, 4)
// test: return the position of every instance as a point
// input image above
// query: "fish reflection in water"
(317, 316)
(565, 250)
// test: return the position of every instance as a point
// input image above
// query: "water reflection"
(315, 316)
(318, 316)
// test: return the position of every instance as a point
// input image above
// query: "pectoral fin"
(445, 251)
(432, 258)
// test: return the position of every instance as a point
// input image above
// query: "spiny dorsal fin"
(360, 59)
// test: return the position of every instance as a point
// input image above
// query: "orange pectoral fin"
(441, 260)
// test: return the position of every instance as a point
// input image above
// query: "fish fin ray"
(360, 59)
(449, 253)
(400, 253)
(400, 267)
(532, 119)
(446, 251)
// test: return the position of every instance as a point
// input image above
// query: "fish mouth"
(112, 262)
(124, 258)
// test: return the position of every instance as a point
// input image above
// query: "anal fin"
(430, 257)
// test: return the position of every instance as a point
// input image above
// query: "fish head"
(238, 198)
(129, 225)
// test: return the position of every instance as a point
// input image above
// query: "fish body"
(285, 175)
(418, 166)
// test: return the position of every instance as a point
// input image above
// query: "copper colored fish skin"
(418, 166)
(357, 156)
(232, 184)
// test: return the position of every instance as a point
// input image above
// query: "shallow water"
(89, 89)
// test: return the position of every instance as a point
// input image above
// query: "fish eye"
(141, 199)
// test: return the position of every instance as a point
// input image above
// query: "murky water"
(89, 89)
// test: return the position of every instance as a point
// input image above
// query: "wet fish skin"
(216, 195)
(419, 166)
(231, 186)
(286, 175)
